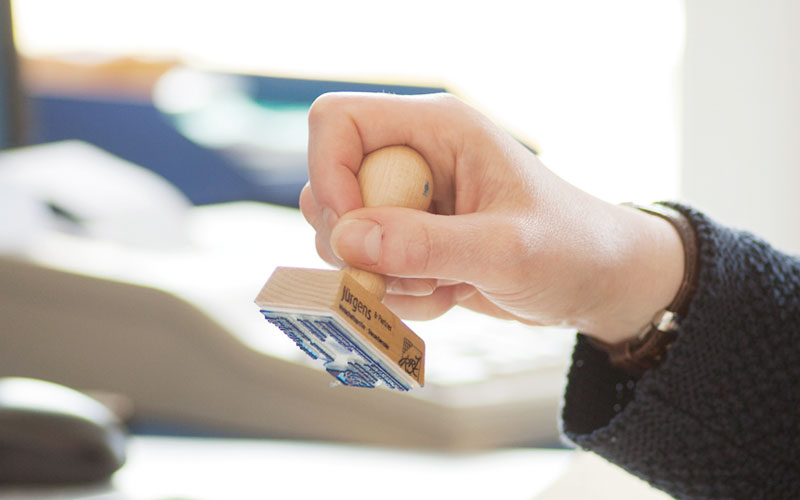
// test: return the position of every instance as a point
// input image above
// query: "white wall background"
(741, 115)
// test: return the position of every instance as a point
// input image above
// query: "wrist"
(643, 280)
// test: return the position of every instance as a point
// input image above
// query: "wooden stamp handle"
(394, 176)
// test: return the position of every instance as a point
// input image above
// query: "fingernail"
(357, 241)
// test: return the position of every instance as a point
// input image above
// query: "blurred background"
(593, 85)
(172, 150)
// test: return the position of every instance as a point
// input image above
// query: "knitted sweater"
(720, 417)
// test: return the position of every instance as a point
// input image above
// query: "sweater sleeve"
(720, 417)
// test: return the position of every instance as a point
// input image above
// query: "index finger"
(345, 127)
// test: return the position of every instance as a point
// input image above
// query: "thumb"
(412, 243)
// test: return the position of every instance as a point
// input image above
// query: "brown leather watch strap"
(647, 350)
(642, 353)
(685, 230)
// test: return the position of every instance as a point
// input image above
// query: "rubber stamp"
(336, 316)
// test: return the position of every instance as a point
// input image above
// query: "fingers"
(322, 220)
(344, 127)
(418, 287)
(410, 243)
(422, 308)
(444, 298)
(309, 207)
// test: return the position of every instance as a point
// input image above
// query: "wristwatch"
(649, 348)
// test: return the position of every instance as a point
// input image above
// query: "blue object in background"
(141, 133)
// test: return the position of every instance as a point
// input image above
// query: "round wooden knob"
(394, 176)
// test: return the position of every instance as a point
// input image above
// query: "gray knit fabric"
(720, 418)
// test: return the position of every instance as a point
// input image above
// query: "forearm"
(718, 418)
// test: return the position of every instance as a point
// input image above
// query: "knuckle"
(419, 250)
(454, 105)
(322, 106)
(449, 100)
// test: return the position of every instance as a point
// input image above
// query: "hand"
(504, 235)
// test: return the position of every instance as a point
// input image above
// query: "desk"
(216, 469)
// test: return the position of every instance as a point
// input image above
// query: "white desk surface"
(215, 469)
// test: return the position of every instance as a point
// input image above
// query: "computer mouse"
(53, 434)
